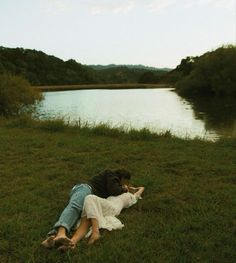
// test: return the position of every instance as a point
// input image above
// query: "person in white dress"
(100, 213)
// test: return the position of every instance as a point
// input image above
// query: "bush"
(16, 95)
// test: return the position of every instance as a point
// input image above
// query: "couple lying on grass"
(93, 206)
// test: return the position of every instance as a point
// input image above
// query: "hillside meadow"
(187, 213)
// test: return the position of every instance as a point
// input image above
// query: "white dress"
(106, 210)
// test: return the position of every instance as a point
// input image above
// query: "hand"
(125, 187)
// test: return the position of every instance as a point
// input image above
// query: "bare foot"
(62, 241)
(94, 237)
(64, 248)
(49, 242)
(73, 243)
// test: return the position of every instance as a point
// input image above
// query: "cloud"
(213, 3)
(124, 6)
(160, 5)
(224, 3)
(115, 6)
(54, 7)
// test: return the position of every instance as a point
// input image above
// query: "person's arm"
(139, 191)
(132, 189)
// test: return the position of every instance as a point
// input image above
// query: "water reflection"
(156, 109)
(218, 114)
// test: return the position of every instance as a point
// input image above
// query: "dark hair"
(122, 173)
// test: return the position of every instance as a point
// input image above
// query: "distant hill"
(42, 69)
(126, 74)
(99, 67)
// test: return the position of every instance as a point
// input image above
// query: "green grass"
(187, 213)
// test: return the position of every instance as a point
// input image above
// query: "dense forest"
(42, 69)
(211, 75)
(124, 74)
(140, 66)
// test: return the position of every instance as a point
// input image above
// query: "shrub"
(16, 95)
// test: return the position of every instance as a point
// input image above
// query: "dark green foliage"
(182, 70)
(41, 69)
(124, 74)
(212, 74)
(119, 75)
(16, 95)
(99, 67)
(186, 65)
(150, 77)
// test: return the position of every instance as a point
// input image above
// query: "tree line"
(211, 75)
(42, 69)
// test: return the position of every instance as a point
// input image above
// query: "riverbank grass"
(101, 86)
(187, 213)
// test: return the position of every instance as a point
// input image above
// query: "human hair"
(122, 173)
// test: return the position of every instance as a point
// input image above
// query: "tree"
(212, 74)
(148, 77)
(16, 95)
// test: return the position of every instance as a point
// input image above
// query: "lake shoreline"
(48, 88)
(157, 108)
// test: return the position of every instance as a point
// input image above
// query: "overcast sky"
(151, 32)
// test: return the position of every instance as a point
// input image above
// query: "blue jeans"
(72, 213)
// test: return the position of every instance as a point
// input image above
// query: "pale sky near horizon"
(150, 32)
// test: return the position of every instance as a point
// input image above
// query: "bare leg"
(95, 231)
(80, 232)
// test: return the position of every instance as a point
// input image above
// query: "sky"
(155, 33)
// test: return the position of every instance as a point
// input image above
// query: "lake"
(159, 110)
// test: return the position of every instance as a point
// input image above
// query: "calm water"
(156, 109)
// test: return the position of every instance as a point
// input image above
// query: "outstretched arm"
(136, 190)
(139, 191)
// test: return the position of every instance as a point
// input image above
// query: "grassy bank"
(101, 86)
(188, 210)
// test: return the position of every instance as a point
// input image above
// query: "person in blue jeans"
(107, 183)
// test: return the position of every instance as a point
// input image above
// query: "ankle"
(97, 233)
(74, 240)
(61, 232)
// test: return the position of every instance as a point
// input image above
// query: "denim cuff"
(59, 224)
